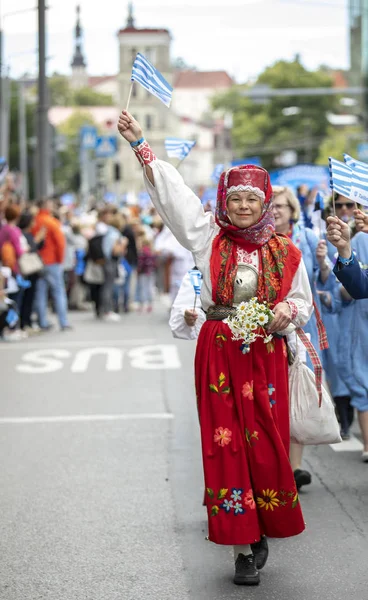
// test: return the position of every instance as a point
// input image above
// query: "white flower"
(262, 319)
(268, 338)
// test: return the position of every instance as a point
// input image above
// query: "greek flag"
(359, 180)
(151, 79)
(196, 280)
(340, 177)
(217, 173)
(178, 148)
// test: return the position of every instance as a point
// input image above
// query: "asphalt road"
(101, 480)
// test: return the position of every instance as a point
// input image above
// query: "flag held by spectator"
(359, 180)
(340, 177)
(178, 148)
(217, 173)
(151, 79)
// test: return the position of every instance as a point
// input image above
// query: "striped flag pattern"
(340, 177)
(178, 148)
(217, 173)
(359, 180)
(151, 79)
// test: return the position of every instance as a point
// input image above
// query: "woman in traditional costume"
(243, 399)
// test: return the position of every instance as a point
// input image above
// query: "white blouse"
(182, 211)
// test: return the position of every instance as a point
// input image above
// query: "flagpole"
(333, 202)
(130, 95)
(179, 163)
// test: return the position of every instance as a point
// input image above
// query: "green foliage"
(263, 128)
(66, 173)
(88, 97)
(61, 94)
(337, 142)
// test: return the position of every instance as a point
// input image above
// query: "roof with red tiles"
(202, 79)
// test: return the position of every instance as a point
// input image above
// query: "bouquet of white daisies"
(248, 323)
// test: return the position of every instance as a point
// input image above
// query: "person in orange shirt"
(52, 255)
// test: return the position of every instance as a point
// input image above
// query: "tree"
(60, 93)
(265, 129)
(89, 97)
(67, 168)
(339, 141)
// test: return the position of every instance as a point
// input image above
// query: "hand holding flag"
(129, 128)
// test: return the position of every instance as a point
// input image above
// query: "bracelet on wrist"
(346, 261)
(137, 143)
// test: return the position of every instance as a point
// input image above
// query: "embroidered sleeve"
(144, 153)
(293, 308)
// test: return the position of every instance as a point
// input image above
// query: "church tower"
(79, 77)
(153, 115)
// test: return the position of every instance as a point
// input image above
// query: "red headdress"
(246, 178)
(276, 273)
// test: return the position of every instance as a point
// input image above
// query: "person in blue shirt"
(347, 268)
(352, 346)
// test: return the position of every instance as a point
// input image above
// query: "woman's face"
(281, 211)
(244, 209)
(344, 208)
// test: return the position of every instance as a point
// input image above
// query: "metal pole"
(22, 133)
(42, 125)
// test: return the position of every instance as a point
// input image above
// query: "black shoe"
(302, 478)
(245, 570)
(66, 328)
(47, 328)
(260, 551)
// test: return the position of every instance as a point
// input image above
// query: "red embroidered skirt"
(243, 405)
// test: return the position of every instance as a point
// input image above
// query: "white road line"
(85, 418)
(65, 344)
(352, 445)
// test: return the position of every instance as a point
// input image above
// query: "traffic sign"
(88, 137)
(106, 146)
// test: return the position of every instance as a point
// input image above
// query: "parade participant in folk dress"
(242, 393)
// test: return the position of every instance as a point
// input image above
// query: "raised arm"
(177, 205)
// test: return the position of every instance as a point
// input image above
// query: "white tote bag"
(310, 422)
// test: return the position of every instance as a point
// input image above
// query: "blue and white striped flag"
(340, 177)
(151, 79)
(178, 148)
(196, 280)
(217, 173)
(359, 180)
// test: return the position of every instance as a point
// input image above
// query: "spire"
(130, 19)
(78, 58)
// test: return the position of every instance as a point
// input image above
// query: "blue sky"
(239, 36)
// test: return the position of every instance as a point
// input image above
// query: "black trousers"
(27, 302)
(96, 297)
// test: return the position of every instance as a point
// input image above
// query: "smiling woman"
(244, 208)
(242, 392)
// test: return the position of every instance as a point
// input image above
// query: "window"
(149, 122)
